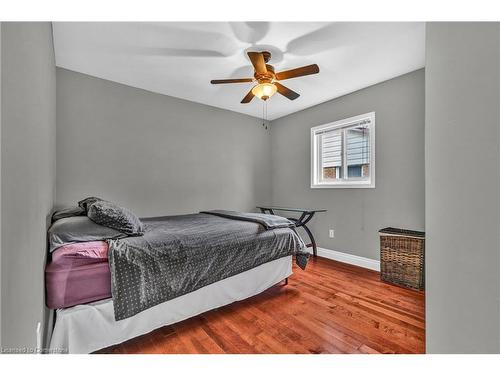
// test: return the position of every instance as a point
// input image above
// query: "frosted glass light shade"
(264, 90)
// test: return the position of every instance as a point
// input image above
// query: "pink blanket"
(79, 273)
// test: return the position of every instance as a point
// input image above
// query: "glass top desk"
(306, 214)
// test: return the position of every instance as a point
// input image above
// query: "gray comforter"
(267, 221)
(180, 254)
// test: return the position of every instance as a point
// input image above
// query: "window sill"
(344, 186)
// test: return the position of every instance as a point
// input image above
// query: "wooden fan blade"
(298, 72)
(258, 62)
(231, 80)
(285, 91)
(248, 97)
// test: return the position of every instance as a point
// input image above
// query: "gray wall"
(28, 175)
(358, 214)
(0, 184)
(155, 154)
(462, 187)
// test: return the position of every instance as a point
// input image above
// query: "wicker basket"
(402, 257)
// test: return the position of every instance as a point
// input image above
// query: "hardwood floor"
(331, 307)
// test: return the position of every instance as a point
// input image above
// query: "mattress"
(78, 273)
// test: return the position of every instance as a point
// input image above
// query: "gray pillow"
(85, 203)
(116, 217)
(67, 212)
(79, 229)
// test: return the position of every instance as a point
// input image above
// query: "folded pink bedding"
(79, 273)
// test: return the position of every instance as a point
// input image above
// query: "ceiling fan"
(267, 79)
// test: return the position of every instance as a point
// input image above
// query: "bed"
(106, 292)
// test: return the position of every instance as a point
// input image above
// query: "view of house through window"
(343, 154)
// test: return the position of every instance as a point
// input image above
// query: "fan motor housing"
(269, 76)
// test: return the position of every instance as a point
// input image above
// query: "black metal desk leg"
(305, 217)
(313, 242)
(301, 222)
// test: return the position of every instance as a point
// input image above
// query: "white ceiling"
(180, 58)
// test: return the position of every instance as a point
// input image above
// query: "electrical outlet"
(331, 233)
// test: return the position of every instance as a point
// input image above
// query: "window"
(343, 153)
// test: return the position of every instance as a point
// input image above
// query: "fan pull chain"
(265, 104)
(264, 114)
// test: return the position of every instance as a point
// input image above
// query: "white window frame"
(315, 155)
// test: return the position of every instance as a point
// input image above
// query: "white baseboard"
(355, 260)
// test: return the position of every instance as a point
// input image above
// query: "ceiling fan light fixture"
(264, 90)
(267, 79)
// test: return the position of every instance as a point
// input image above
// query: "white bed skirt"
(87, 328)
